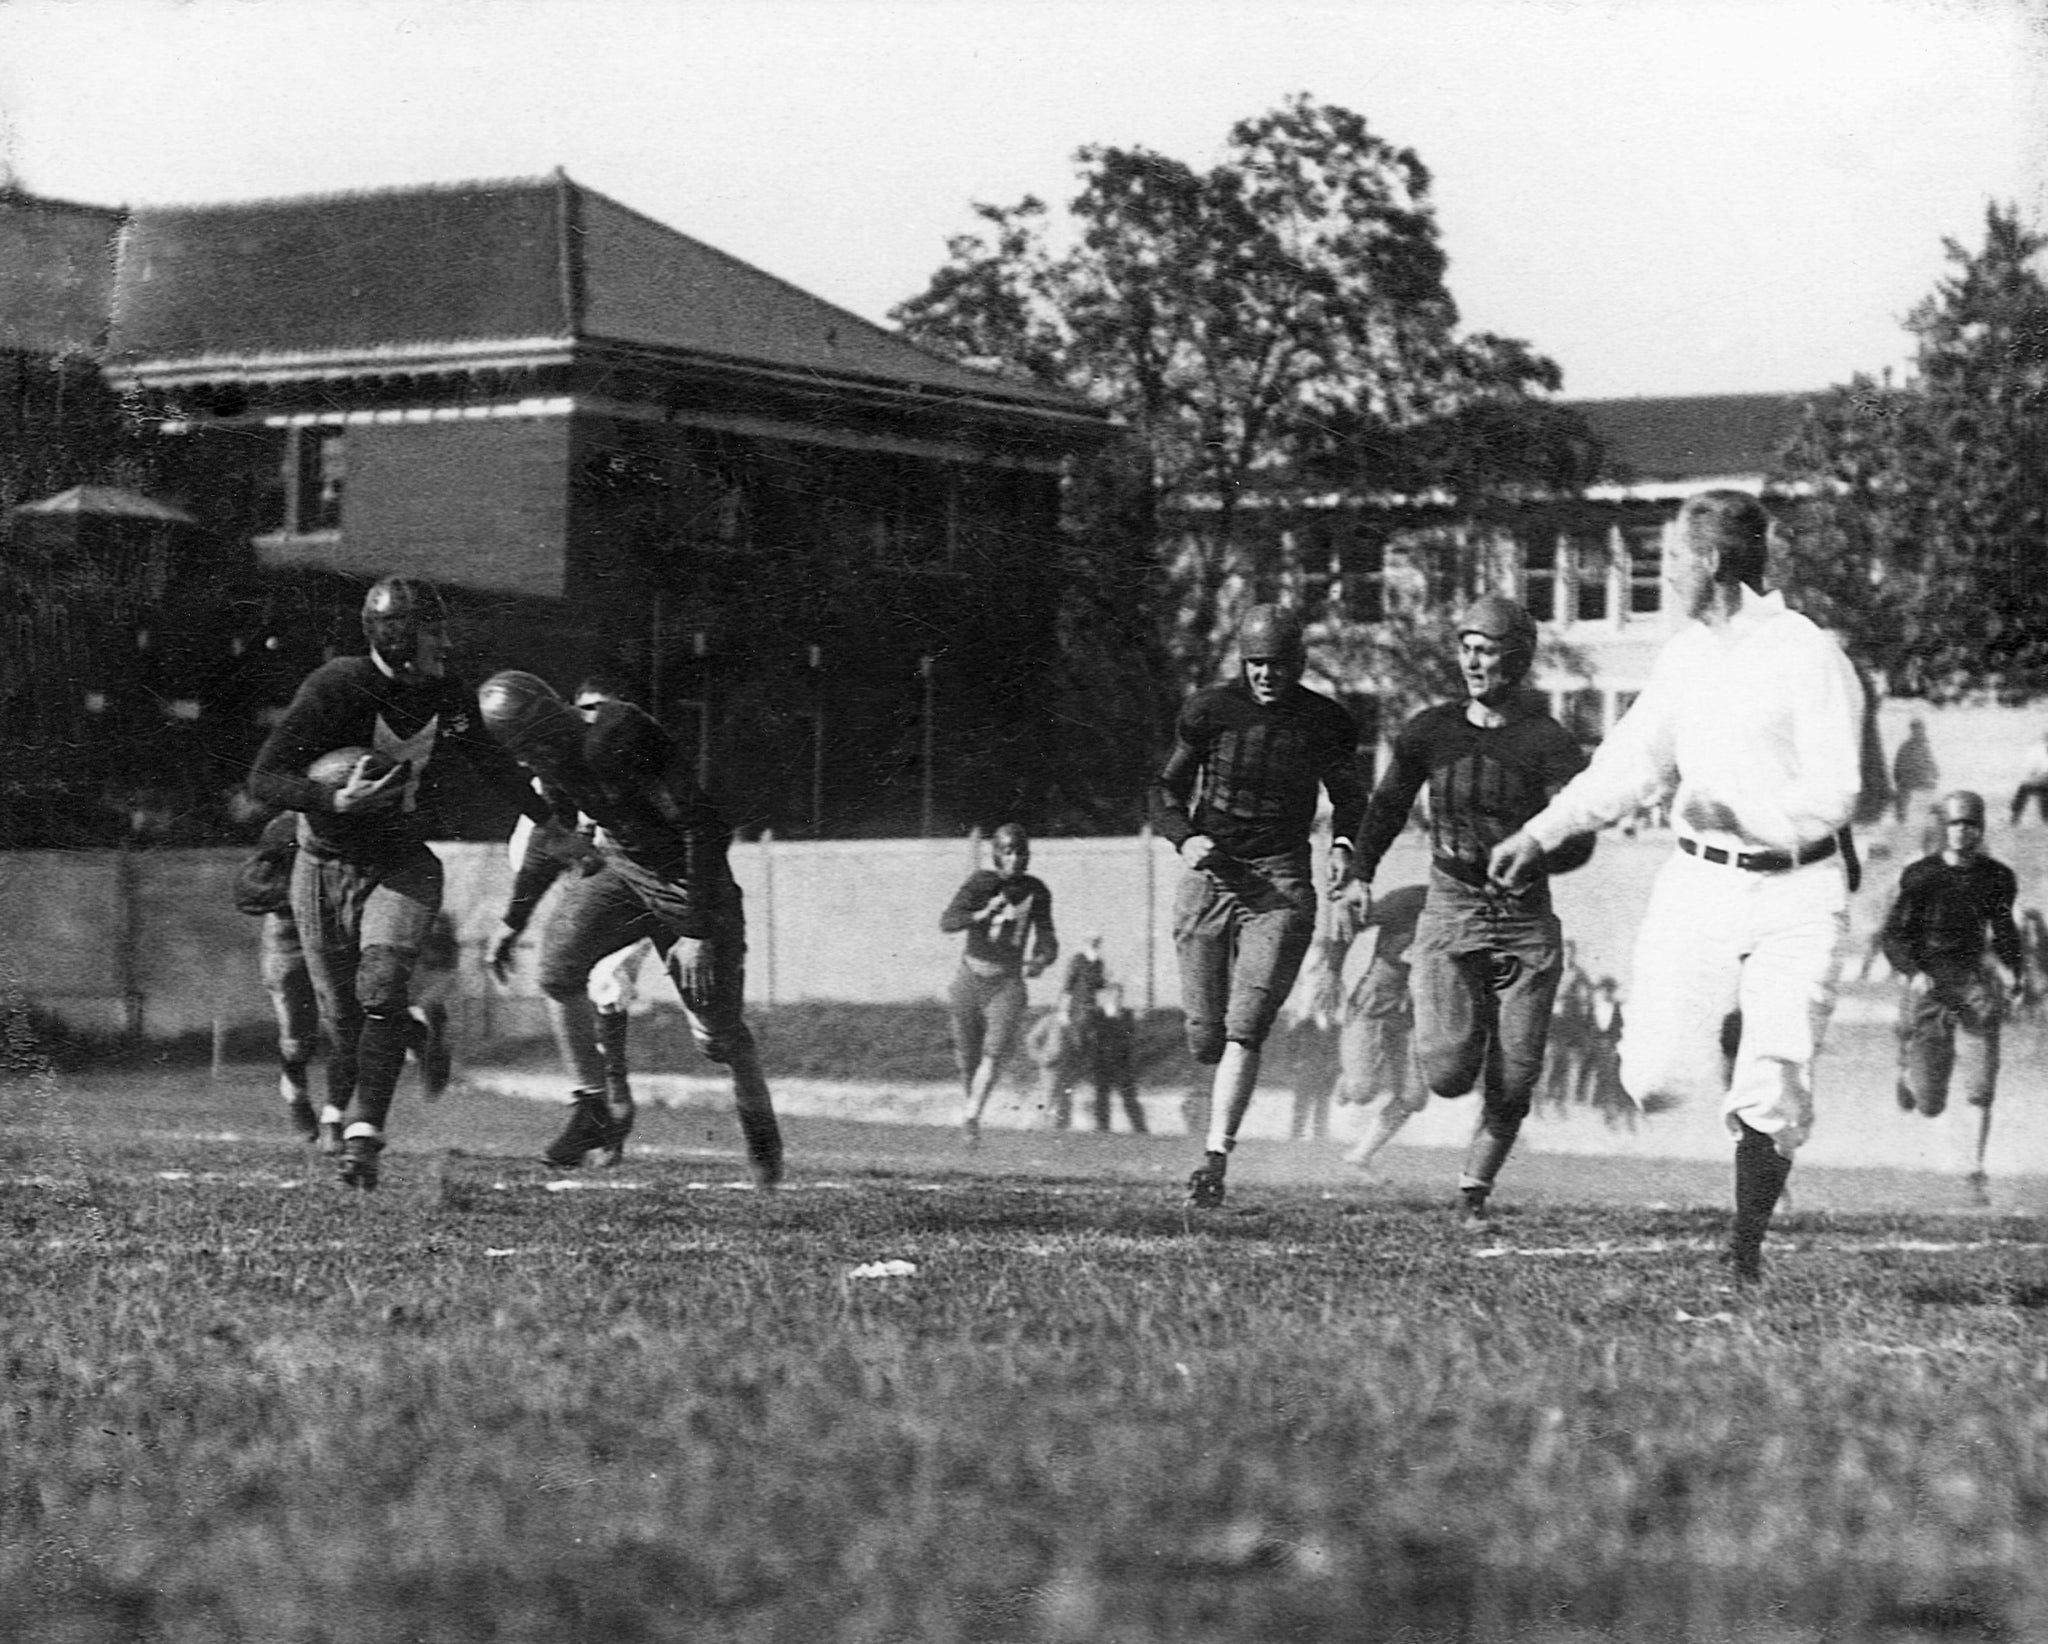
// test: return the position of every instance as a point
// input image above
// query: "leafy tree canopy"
(1279, 319)
(1924, 505)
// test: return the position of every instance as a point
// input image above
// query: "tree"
(1279, 319)
(1923, 506)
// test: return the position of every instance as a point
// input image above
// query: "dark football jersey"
(1484, 783)
(352, 703)
(1246, 775)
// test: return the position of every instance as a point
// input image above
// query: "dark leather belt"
(1763, 861)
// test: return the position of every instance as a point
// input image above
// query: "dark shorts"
(988, 1017)
(1483, 973)
(599, 914)
(344, 908)
(1241, 934)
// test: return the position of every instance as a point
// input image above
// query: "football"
(332, 769)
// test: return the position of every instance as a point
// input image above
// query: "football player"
(662, 875)
(1486, 959)
(1006, 915)
(365, 887)
(1237, 797)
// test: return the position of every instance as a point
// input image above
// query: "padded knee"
(384, 981)
(1205, 1042)
(1451, 1070)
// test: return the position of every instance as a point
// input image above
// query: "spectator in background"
(1116, 1060)
(2033, 782)
(1055, 1043)
(1914, 770)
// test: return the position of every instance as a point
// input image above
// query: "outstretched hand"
(1514, 861)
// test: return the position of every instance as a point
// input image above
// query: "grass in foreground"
(472, 1407)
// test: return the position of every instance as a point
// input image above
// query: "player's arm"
(1170, 800)
(1386, 813)
(2006, 946)
(1899, 938)
(1636, 765)
(1041, 945)
(1826, 701)
(317, 721)
(971, 904)
(1349, 797)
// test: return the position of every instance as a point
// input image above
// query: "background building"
(821, 553)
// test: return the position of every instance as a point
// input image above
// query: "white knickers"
(1718, 939)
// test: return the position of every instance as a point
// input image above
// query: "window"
(1539, 577)
(1591, 566)
(1644, 547)
(318, 473)
(1360, 585)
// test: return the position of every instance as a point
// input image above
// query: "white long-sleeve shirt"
(1763, 717)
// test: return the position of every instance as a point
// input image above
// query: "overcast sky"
(1666, 196)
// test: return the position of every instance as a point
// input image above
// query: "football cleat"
(359, 1162)
(1475, 1214)
(618, 1125)
(1205, 1186)
(588, 1130)
(303, 1119)
(1745, 1263)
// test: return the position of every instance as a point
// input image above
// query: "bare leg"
(1394, 1112)
(1230, 1096)
(979, 1089)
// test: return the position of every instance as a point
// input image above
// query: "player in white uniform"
(1750, 725)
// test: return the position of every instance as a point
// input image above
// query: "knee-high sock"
(756, 1110)
(380, 1059)
(1760, 1172)
(613, 1028)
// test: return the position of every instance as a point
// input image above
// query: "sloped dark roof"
(1697, 436)
(404, 271)
(340, 274)
(56, 273)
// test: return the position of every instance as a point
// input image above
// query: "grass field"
(490, 1404)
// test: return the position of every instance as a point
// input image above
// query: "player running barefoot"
(1006, 915)
(1237, 797)
(1484, 967)
(662, 875)
(1751, 727)
(365, 887)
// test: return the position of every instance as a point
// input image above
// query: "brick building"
(825, 555)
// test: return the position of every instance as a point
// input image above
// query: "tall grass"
(242, 1406)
